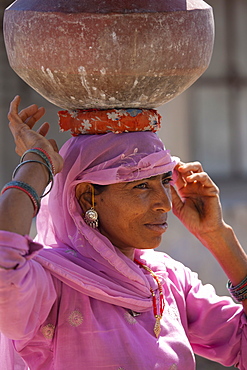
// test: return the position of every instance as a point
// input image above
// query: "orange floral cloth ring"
(94, 121)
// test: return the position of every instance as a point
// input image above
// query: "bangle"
(43, 154)
(51, 177)
(238, 292)
(40, 150)
(27, 189)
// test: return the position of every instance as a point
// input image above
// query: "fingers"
(13, 111)
(205, 181)
(14, 105)
(190, 166)
(43, 130)
(193, 173)
(186, 169)
(21, 125)
(54, 145)
(29, 115)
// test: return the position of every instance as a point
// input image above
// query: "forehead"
(121, 188)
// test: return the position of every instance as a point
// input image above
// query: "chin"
(149, 246)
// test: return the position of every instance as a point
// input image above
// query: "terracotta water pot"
(111, 53)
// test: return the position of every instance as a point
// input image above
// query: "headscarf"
(81, 256)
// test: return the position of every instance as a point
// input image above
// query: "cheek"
(108, 210)
(120, 210)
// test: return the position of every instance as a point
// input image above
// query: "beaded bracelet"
(238, 292)
(43, 154)
(51, 177)
(27, 189)
(49, 158)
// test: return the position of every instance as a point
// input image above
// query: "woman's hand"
(196, 203)
(196, 200)
(21, 125)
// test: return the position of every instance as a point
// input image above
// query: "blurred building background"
(206, 123)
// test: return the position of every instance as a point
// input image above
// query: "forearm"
(196, 203)
(226, 248)
(16, 208)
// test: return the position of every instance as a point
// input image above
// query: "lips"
(159, 227)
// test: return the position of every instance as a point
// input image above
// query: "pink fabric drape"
(101, 270)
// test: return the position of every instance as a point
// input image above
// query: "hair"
(99, 188)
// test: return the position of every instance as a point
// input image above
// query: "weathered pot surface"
(112, 53)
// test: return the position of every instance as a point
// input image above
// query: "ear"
(83, 194)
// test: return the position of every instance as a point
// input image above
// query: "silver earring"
(91, 216)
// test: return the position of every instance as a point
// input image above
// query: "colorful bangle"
(34, 161)
(27, 189)
(51, 177)
(238, 292)
(43, 154)
(49, 158)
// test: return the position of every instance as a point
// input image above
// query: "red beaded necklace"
(158, 316)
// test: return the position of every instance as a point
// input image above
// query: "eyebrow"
(164, 176)
(167, 174)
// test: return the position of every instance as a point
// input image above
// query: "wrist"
(34, 161)
(43, 159)
(213, 239)
(44, 155)
(225, 247)
(33, 173)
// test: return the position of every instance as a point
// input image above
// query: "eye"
(167, 180)
(143, 185)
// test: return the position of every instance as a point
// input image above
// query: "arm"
(196, 203)
(16, 209)
(26, 290)
(215, 326)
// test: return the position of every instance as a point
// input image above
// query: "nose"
(162, 199)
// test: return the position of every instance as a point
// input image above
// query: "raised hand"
(21, 125)
(196, 200)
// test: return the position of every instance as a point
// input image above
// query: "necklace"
(158, 316)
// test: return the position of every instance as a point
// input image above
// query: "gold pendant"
(157, 328)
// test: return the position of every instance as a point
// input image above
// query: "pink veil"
(80, 256)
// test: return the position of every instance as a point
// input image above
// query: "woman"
(99, 297)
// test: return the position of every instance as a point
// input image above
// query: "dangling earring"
(91, 216)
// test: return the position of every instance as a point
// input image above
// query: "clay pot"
(112, 53)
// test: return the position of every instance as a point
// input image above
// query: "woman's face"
(134, 214)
